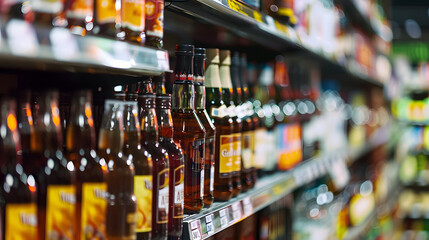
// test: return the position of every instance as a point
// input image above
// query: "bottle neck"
(159, 87)
(200, 96)
(81, 131)
(131, 127)
(183, 95)
(149, 126)
(236, 86)
(48, 127)
(165, 123)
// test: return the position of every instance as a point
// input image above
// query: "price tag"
(196, 230)
(224, 217)
(209, 224)
(236, 211)
(247, 206)
(22, 38)
(64, 44)
(163, 60)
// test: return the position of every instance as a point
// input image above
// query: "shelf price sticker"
(247, 206)
(209, 224)
(236, 211)
(163, 60)
(63, 43)
(22, 38)
(224, 217)
(196, 230)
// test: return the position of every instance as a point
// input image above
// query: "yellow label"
(247, 149)
(21, 221)
(60, 209)
(133, 14)
(163, 194)
(225, 154)
(236, 145)
(93, 210)
(143, 193)
(237, 7)
(80, 8)
(106, 11)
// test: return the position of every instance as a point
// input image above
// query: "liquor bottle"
(90, 186)
(18, 206)
(133, 21)
(160, 165)
(228, 98)
(154, 23)
(200, 108)
(55, 178)
(119, 175)
(189, 132)
(79, 14)
(224, 128)
(248, 135)
(106, 18)
(142, 160)
(177, 167)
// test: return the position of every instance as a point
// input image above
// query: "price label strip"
(196, 230)
(243, 9)
(209, 224)
(224, 217)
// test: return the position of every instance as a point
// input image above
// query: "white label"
(224, 217)
(194, 225)
(163, 198)
(209, 223)
(202, 184)
(22, 38)
(212, 170)
(236, 211)
(247, 206)
(179, 194)
(64, 44)
(163, 60)
(196, 234)
(231, 111)
(219, 112)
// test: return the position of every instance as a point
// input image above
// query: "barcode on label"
(196, 235)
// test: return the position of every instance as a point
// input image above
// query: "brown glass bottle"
(142, 160)
(228, 96)
(90, 186)
(106, 18)
(133, 21)
(55, 180)
(160, 161)
(189, 133)
(200, 109)
(26, 129)
(154, 23)
(18, 205)
(177, 167)
(119, 175)
(224, 128)
(79, 14)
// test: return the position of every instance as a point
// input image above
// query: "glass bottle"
(189, 133)
(90, 186)
(160, 165)
(119, 175)
(18, 205)
(26, 128)
(55, 178)
(142, 160)
(224, 127)
(79, 14)
(177, 167)
(48, 13)
(200, 108)
(106, 17)
(133, 21)
(228, 98)
(154, 23)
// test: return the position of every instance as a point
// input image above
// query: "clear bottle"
(200, 109)
(119, 175)
(90, 185)
(189, 132)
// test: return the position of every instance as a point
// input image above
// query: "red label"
(154, 18)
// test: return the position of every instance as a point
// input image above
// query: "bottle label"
(219, 112)
(179, 188)
(60, 209)
(80, 9)
(289, 143)
(154, 18)
(93, 210)
(47, 6)
(162, 213)
(143, 193)
(21, 221)
(260, 157)
(106, 11)
(247, 149)
(232, 111)
(225, 155)
(236, 159)
(133, 15)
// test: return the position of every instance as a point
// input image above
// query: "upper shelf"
(356, 17)
(27, 47)
(262, 29)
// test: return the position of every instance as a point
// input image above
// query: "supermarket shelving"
(271, 188)
(356, 17)
(24, 46)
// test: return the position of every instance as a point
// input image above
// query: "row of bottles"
(140, 21)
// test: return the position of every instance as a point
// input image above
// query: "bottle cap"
(184, 49)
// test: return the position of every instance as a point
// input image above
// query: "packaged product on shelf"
(200, 108)
(79, 14)
(90, 185)
(154, 23)
(106, 18)
(223, 122)
(121, 207)
(19, 206)
(281, 10)
(48, 13)
(189, 133)
(133, 19)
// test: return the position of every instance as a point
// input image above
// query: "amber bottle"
(200, 108)
(26, 128)
(160, 162)
(228, 98)
(133, 21)
(79, 14)
(18, 206)
(177, 167)
(189, 133)
(142, 160)
(106, 18)
(90, 187)
(119, 175)
(154, 23)
(55, 179)
(224, 127)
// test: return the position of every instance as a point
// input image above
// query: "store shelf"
(356, 17)
(24, 46)
(269, 189)
(263, 30)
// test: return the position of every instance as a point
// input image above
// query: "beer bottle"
(200, 108)
(189, 133)
(142, 160)
(177, 168)
(154, 23)
(160, 163)
(119, 175)
(158, 85)
(18, 205)
(106, 17)
(224, 128)
(90, 187)
(26, 128)
(79, 14)
(133, 21)
(55, 180)
(227, 96)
